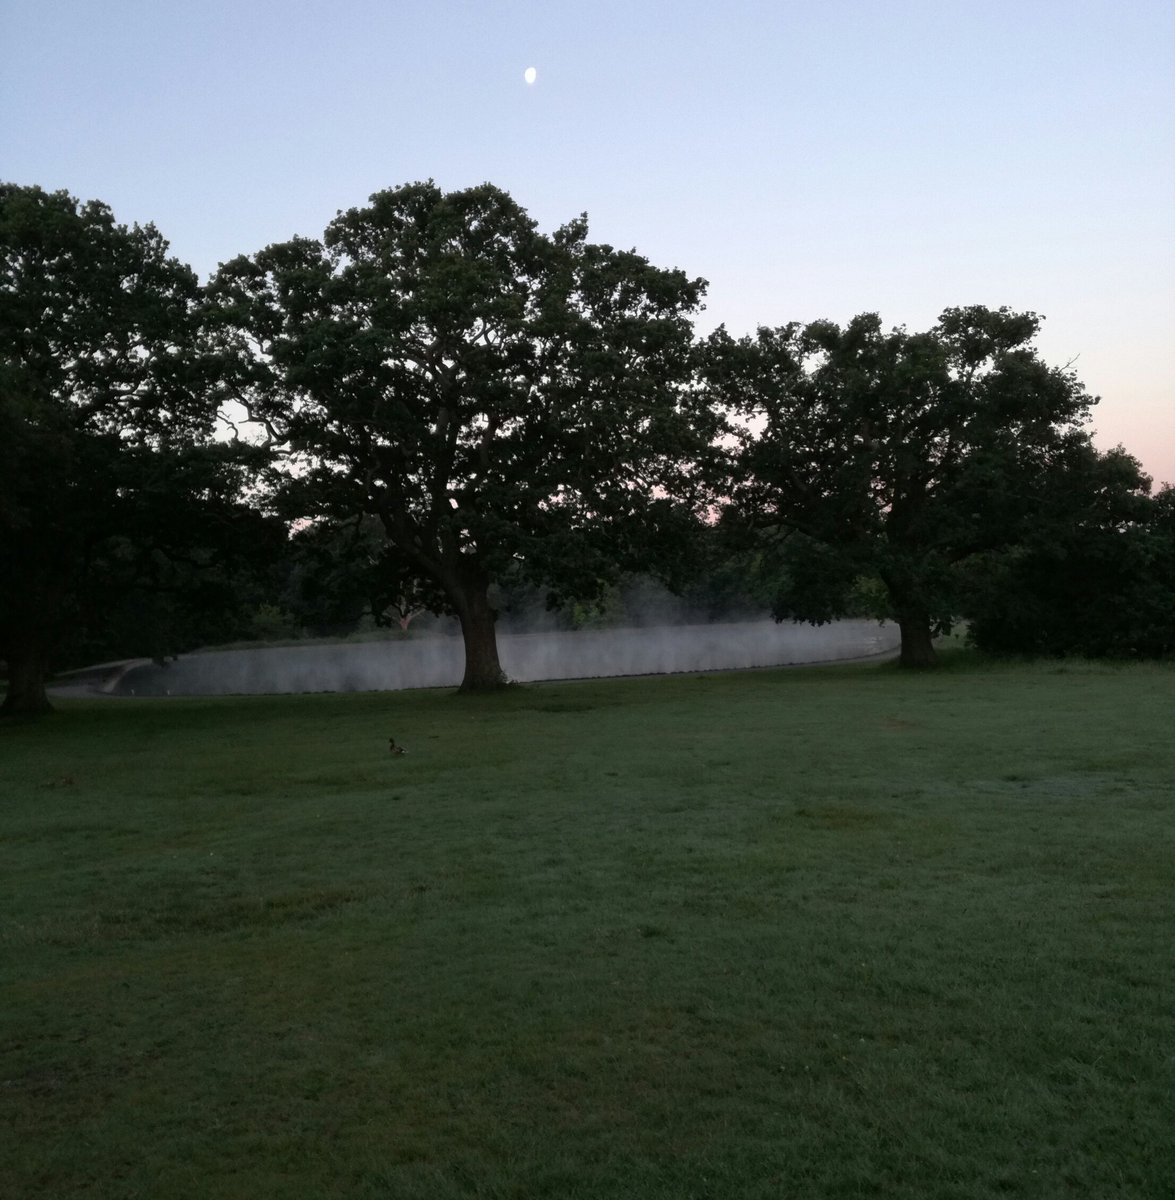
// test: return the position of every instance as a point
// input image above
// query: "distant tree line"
(438, 408)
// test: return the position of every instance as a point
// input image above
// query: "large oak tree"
(895, 455)
(504, 401)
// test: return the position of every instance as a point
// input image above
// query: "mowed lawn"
(836, 932)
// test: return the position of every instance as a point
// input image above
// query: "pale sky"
(809, 159)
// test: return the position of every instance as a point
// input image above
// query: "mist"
(438, 660)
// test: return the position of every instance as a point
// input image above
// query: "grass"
(818, 933)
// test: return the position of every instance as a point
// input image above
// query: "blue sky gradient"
(809, 160)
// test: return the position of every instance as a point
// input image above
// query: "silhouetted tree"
(1096, 578)
(503, 401)
(894, 455)
(104, 421)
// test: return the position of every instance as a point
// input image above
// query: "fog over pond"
(438, 661)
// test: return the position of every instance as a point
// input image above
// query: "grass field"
(837, 932)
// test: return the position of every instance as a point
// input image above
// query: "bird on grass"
(394, 748)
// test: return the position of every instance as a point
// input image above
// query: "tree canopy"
(502, 400)
(105, 420)
(450, 399)
(896, 455)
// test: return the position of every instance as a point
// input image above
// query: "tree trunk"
(917, 643)
(483, 671)
(27, 670)
(913, 617)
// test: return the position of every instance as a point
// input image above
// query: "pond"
(438, 660)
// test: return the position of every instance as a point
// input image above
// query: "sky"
(809, 159)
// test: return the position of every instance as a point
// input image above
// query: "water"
(438, 661)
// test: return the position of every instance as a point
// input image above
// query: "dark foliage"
(503, 402)
(1100, 586)
(109, 482)
(893, 456)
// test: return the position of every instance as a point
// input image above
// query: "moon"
(530, 75)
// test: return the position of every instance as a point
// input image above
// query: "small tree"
(894, 455)
(503, 401)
